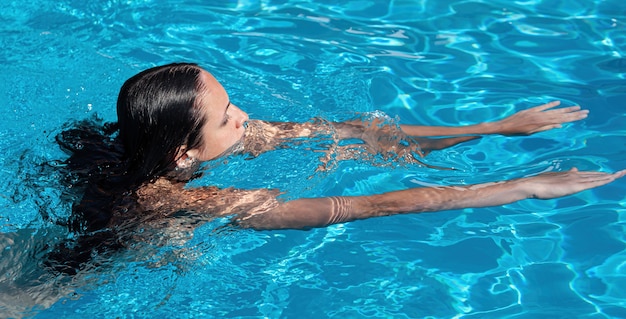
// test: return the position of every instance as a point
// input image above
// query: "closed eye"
(226, 116)
(225, 120)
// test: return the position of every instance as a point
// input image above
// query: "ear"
(184, 157)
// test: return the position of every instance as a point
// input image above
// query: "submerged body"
(172, 118)
(129, 179)
(260, 208)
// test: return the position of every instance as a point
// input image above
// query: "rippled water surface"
(424, 62)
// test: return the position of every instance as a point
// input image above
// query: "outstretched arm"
(379, 137)
(526, 122)
(319, 212)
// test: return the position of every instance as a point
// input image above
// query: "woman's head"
(166, 115)
(172, 113)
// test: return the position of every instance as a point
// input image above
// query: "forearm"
(320, 212)
(432, 199)
(276, 132)
(425, 131)
(526, 122)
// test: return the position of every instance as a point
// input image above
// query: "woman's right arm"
(320, 212)
(379, 137)
(526, 122)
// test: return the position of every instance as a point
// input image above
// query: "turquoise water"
(426, 62)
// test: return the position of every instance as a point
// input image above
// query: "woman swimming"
(173, 117)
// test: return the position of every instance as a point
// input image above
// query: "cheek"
(217, 143)
(210, 142)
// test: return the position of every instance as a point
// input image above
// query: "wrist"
(525, 187)
(490, 127)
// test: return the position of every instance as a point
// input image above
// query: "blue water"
(428, 62)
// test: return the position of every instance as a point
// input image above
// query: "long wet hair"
(157, 112)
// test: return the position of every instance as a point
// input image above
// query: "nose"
(241, 117)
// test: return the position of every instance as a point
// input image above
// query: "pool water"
(424, 62)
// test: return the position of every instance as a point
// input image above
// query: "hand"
(553, 185)
(538, 119)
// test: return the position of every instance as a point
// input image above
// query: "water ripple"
(428, 62)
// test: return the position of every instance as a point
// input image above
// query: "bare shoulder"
(168, 197)
(263, 136)
(260, 137)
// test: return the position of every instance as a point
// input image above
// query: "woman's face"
(224, 122)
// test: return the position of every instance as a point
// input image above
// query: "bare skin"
(526, 122)
(260, 209)
(407, 141)
(319, 212)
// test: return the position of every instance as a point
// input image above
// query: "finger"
(546, 106)
(599, 178)
(617, 174)
(571, 117)
(574, 108)
(567, 110)
(599, 181)
(551, 117)
(591, 178)
(580, 114)
(592, 174)
(620, 174)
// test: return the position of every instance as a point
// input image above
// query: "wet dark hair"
(157, 113)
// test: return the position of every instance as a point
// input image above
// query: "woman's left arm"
(261, 208)
(319, 212)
